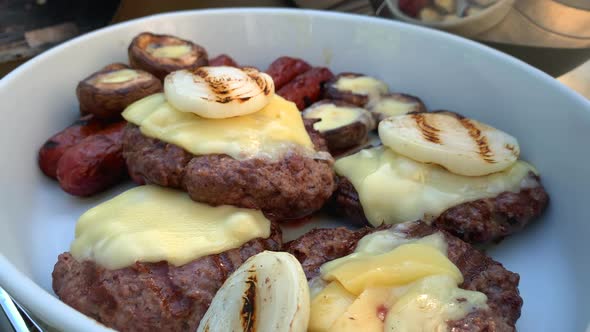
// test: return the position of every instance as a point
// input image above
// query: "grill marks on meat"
(480, 272)
(290, 188)
(151, 296)
(480, 221)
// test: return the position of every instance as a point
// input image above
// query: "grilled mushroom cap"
(107, 92)
(342, 125)
(162, 54)
(354, 88)
(394, 104)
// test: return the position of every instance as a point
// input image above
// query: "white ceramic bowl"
(551, 122)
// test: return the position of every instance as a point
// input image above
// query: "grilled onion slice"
(269, 292)
(459, 144)
(219, 92)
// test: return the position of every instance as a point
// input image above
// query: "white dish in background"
(465, 26)
(551, 122)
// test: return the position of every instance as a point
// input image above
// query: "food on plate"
(107, 92)
(393, 104)
(407, 277)
(225, 154)
(223, 60)
(356, 89)
(269, 292)
(264, 160)
(95, 163)
(151, 259)
(456, 173)
(219, 92)
(341, 124)
(163, 54)
(284, 69)
(53, 149)
(306, 88)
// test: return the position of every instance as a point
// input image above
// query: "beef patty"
(480, 272)
(480, 221)
(291, 188)
(151, 296)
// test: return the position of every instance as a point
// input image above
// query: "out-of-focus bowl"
(551, 122)
(465, 26)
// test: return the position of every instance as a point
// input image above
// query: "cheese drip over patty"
(270, 133)
(152, 224)
(393, 189)
(391, 283)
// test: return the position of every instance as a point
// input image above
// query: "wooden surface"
(138, 8)
(29, 27)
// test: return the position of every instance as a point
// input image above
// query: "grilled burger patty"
(479, 221)
(291, 188)
(151, 296)
(480, 272)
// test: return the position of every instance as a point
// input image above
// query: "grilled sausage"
(306, 88)
(223, 60)
(94, 164)
(284, 69)
(53, 149)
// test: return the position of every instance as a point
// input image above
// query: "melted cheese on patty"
(406, 285)
(152, 224)
(271, 133)
(394, 189)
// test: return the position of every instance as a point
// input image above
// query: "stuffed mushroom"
(353, 88)
(107, 92)
(342, 125)
(393, 104)
(163, 54)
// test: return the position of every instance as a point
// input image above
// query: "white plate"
(551, 122)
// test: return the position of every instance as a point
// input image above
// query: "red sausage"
(94, 164)
(223, 60)
(412, 7)
(285, 69)
(306, 88)
(54, 148)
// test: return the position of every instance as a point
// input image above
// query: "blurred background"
(552, 35)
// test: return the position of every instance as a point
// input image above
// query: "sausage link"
(94, 164)
(284, 69)
(306, 88)
(53, 149)
(223, 60)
